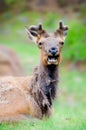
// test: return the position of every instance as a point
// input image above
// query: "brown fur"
(9, 63)
(40, 82)
(22, 96)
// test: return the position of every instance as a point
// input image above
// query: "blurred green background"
(70, 107)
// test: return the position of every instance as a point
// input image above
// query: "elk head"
(49, 44)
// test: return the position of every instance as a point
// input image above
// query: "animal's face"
(49, 44)
(50, 50)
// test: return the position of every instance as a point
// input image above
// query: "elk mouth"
(53, 59)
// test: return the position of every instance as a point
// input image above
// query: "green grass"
(70, 105)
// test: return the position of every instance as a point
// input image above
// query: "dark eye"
(61, 43)
(40, 43)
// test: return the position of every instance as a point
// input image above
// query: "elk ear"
(62, 30)
(34, 32)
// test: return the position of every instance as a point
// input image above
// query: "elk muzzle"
(53, 56)
(53, 51)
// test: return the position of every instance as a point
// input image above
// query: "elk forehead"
(50, 42)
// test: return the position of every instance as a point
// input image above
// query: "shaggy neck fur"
(44, 86)
(48, 77)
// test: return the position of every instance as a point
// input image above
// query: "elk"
(21, 97)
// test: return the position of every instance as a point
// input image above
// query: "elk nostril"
(53, 50)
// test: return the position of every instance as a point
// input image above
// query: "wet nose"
(53, 50)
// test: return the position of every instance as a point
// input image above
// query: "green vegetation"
(76, 42)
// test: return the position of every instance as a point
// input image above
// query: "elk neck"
(48, 79)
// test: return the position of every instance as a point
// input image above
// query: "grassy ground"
(70, 105)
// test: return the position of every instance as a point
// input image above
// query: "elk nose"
(53, 50)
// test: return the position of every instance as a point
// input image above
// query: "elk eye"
(61, 43)
(40, 43)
